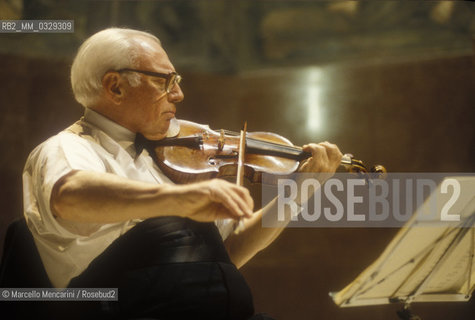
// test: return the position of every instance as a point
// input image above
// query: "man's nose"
(176, 95)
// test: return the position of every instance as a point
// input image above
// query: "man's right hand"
(216, 199)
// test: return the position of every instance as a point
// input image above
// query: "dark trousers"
(166, 268)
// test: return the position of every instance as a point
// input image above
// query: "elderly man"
(103, 214)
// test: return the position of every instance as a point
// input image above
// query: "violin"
(199, 153)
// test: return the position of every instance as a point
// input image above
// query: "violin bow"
(240, 171)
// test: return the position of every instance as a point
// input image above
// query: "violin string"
(277, 145)
(274, 144)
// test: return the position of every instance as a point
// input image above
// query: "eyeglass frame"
(166, 76)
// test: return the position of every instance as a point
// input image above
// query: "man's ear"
(112, 84)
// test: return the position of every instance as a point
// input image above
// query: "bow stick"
(240, 171)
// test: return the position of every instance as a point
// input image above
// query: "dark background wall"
(391, 82)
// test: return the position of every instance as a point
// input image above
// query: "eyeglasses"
(171, 78)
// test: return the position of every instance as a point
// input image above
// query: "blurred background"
(391, 82)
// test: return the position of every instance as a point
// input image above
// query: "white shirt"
(97, 144)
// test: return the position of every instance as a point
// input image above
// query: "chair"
(21, 267)
(21, 263)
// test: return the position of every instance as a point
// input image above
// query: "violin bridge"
(221, 140)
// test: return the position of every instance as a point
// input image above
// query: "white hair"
(107, 50)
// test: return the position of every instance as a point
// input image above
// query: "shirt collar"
(123, 136)
(111, 128)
